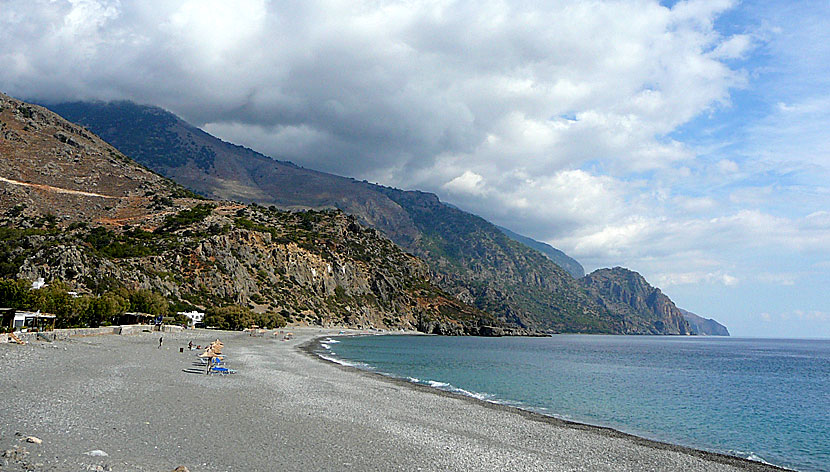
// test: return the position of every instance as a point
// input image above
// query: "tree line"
(105, 308)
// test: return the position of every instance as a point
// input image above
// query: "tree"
(15, 294)
(269, 320)
(55, 299)
(146, 301)
(231, 317)
(104, 308)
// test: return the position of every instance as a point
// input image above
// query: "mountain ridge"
(469, 257)
(76, 211)
(571, 265)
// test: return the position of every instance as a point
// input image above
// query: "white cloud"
(695, 278)
(695, 204)
(468, 182)
(727, 166)
(392, 85)
(735, 47)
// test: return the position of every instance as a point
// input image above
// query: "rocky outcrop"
(323, 276)
(702, 326)
(641, 308)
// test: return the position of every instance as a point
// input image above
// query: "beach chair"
(221, 370)
(213, 360)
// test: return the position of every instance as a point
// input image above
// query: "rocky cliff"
(73, 208)
(702, 326)
(642, 309)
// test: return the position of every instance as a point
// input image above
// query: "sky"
(685, 140)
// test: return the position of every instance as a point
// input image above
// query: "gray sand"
(150, 409)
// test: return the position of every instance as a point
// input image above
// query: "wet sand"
(151, 409)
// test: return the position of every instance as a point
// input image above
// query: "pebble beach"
(121, 403)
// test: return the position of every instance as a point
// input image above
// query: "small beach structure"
(133, 317)
(28, 320)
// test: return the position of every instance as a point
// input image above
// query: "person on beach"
(160, 341)
(190, 346)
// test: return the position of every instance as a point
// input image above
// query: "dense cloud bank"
(561, 120)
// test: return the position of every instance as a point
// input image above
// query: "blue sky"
(685, 140)
(775, 129)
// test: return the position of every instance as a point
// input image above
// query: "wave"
(750, 456)
(447, 387)
(329, 355)
(337, 360)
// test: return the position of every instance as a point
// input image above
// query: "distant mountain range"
(558, 257)
(75, 209)
(522, 282)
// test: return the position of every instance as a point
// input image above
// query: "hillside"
(571, 265)
(74, 209)
(471, 258)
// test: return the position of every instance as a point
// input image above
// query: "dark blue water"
(758, 398)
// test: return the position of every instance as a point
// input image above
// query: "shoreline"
(726, 459)
(149, 408)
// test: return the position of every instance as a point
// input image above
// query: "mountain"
(703, 326)
(470, 258)
(558, 257)
(74, 209)
(644, 309)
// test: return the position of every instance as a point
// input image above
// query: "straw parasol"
(210, 355)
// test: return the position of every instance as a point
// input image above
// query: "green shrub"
(186, 217)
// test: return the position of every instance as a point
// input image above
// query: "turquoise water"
(763, 399)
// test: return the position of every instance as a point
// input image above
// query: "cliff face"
(332, 271)
(475, 261)
(702, 326)
(73, 208)
(643, 309)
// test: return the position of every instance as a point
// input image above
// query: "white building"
(194, 316)
(38, 284)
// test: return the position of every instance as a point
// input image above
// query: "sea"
(763, 399)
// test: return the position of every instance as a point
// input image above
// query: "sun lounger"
(221, 370)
